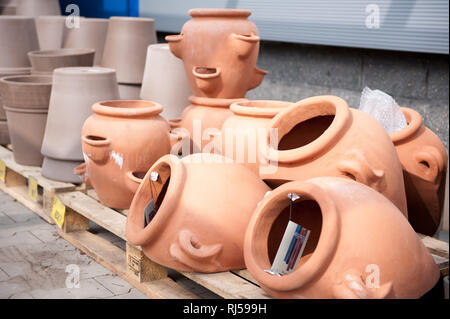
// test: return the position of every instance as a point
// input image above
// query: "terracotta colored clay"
(355, 231)
(26, 91)
(322, 136)
(246, 129)
(424, 161)
(74, 92)
(187, 233)
(121, 141)
(126, 47)
(90, 34)
(165, 81)
(129, 91)
(219, 48)
(36, 8)
(13, 53)
(51, 31)
(44, 62)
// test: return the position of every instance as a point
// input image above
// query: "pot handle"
(132, 182)
(244, 44)
(96, 148)
(194, 249)
(428, 165)
(175, 44)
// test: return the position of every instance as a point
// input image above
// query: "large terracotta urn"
(51, 31)
(26, 100)
(322, 136)
(424, 161)
(219, 49)
(360, 245)
(74, 91)
(191, 214)
(121, 141)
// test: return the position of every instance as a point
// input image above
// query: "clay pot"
(322, 136)
(90, 34)
(74, 92)
(424, 161)
(4, 134)
(44, 62)
(126, 45)
(36, 8)
(219, 48)
(189, 234)
(129, 91)
(165, 81)
(51, 31)
(356, 234)
(9, 72)
(121, 141)
(26, 91)
(246, 129)
(202, 119)
(13, 53)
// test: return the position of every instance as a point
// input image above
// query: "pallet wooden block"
(16, 182)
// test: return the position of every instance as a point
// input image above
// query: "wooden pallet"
(132, 265)
(17, 178)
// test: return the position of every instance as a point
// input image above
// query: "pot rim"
(307, 109)
(52, 17)
(136, 233)
(159, 46)
(83, 70)
(20, 110)
(256, 251)
(214, 102)
(127, 108)
(15, 71)
(135, 19)
(259, 108)
(414, 120)
(7, 80)
(219, 12)
(64, 52)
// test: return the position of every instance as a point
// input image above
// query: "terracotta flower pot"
(90, 34)
(51, 31)
(187, 233)
(13, 53)
(360, 245)
(129, 91)
(26, 91)
(74, 92)
(165, 81)
(126, 47)
(44, 62)
(243, 132)
(36, 8)
(322, 136)
(219, 48)
(424, 161)
(121, 141)
(26, 129)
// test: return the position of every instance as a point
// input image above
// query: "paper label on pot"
(33, 189)
(2, 171)
(290, 250)
(58, 212)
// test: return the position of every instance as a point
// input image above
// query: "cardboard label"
(58, 212)
(33, 189)
(2, 171)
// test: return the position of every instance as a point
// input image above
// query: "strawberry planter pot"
(121, 141)
(165, 81)
(355, 231)
(424, 161)
(187, 233)
(322, 136)
(74, 92)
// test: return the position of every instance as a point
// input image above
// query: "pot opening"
(204, 70)
(157, 191)
(139, 175)
(306, 213)
(95, 138)
(128, 104)
(305, 132)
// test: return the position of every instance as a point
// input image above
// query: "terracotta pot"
(129, 91)
(322, 136)
(360, 244)
(9, 72)
(121, 141)
(242, 132)
(67, 113)
(424, 161)
(44, 62)
(26, 130)
(126, 47)
(36, 8)
(26, 91)
(90, 34)
(13, 53)
(4, 134)
(165, 81)
(187, 233)
(204, 116)
(51, 31)
(219, 48)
